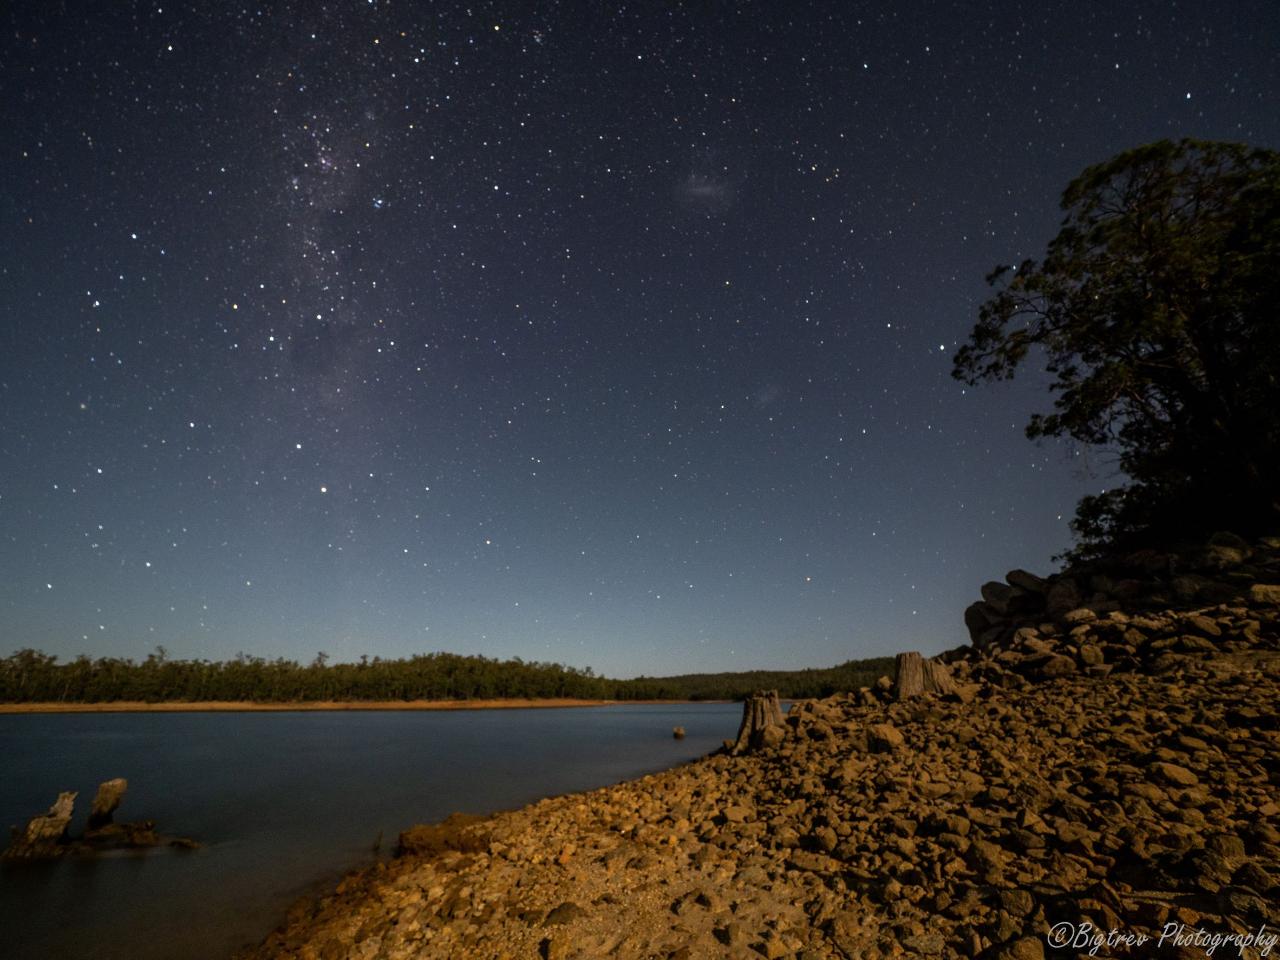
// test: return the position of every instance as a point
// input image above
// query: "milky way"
(614, 336)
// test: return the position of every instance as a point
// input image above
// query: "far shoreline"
(249, 706)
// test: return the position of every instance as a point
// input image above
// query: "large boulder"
(998, 595)
(1027, 581)
(1064, 595)
(979, 618)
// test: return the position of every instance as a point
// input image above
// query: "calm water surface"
(283, 802)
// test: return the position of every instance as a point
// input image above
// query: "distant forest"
(30, 676)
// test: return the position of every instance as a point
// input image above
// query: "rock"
(736, 813)
(1255, 878)
(1177, 775)
(460, 832)
(817, 730)
(1091, 654)
(1079, 615)
(1226, 550)
(564, 913)
(979, 618)
(1265, 594)
(884, 738)
(1063, 595)
(1027, 581)
(105, 802)
(1025, 948)
(45, 835)
(1206, 626)
(1229, 847)
(677, 733)
(1018, 903)
(998, 595)
(1048, 666)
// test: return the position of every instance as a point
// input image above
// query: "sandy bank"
(243, 706)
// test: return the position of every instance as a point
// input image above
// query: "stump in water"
(105, 802)
(44, 835)
(677, 733)
(762, 723)
(917, 675)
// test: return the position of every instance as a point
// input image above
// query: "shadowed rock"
(459, 832)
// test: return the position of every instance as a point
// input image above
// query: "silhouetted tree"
(1155, 312)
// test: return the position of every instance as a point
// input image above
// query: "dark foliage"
(1155, 312)
(29, 676)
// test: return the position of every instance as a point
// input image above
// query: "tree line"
(29, 676)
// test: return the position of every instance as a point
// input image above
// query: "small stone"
(1027, 948)
(1018, 903)
(884, 738)
(1206, 626)
(1175, 774)
(1265, 593)
(1091, 654)
(565, 913)
(1055, 665)
(1079, 615)
(737, 813)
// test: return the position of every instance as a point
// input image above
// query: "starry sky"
(617, 335)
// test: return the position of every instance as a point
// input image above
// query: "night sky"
(613, 335)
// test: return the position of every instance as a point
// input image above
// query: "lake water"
(284, 804)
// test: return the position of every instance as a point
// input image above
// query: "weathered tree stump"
(44, 835)
(105, 802)
(917, 675)
(762, 723)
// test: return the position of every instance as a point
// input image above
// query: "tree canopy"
(1155, 313)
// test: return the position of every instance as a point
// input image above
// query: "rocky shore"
(1102, 776)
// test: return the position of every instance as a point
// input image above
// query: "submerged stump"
(44, 835)
(762, 723)
(105, 802)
